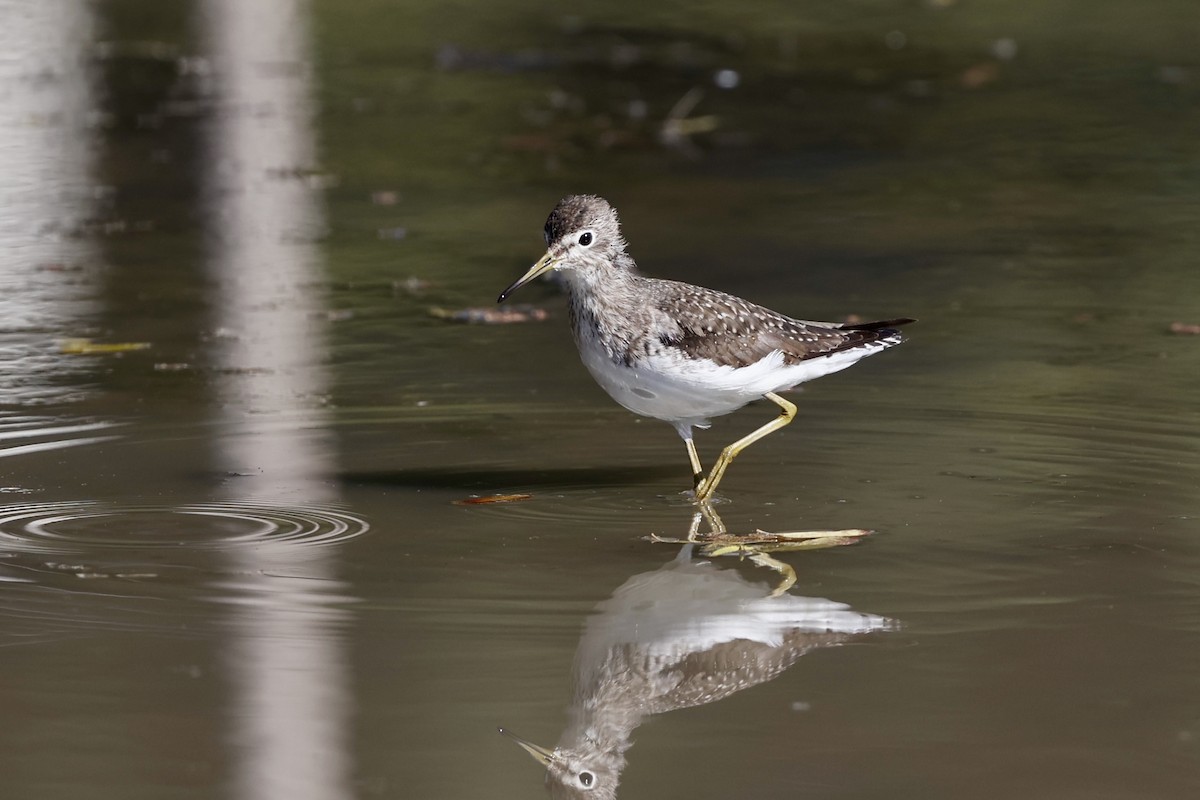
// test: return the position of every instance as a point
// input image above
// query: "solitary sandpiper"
(683, 353)
(681, 636)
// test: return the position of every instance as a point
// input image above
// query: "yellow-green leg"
(706, 487)
(697, 470)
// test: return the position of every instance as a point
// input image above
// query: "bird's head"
(582, 233)
(576, 773)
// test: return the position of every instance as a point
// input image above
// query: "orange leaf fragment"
(493, 498)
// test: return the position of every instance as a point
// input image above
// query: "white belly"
(678, 389)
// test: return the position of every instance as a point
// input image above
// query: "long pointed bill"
(544, 265)
(539, 753)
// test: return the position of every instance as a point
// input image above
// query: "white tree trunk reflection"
(290, 712)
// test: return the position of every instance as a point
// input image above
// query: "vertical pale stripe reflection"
(47, 152)
(290, 712)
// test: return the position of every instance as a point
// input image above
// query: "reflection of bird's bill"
(544, 265)
(539, 753)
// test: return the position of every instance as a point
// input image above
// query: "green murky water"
(232, 563)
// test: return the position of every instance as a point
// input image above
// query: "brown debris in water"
(385, 197)
(979, 75)
(488, 315)
(493, 498)
(86, 347)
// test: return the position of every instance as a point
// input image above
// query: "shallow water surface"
(240, 438)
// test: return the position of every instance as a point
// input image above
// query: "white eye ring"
(586, 779)
(586, 238)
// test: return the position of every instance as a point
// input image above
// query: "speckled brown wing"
(728, 330)
(733, 666)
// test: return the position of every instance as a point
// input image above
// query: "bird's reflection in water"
(684, 635)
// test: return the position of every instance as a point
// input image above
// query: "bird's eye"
(586, 779)
(585, 238)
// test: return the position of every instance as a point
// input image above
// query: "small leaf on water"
(493, 498)
(86, 347)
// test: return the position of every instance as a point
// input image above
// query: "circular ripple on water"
(71, 527)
